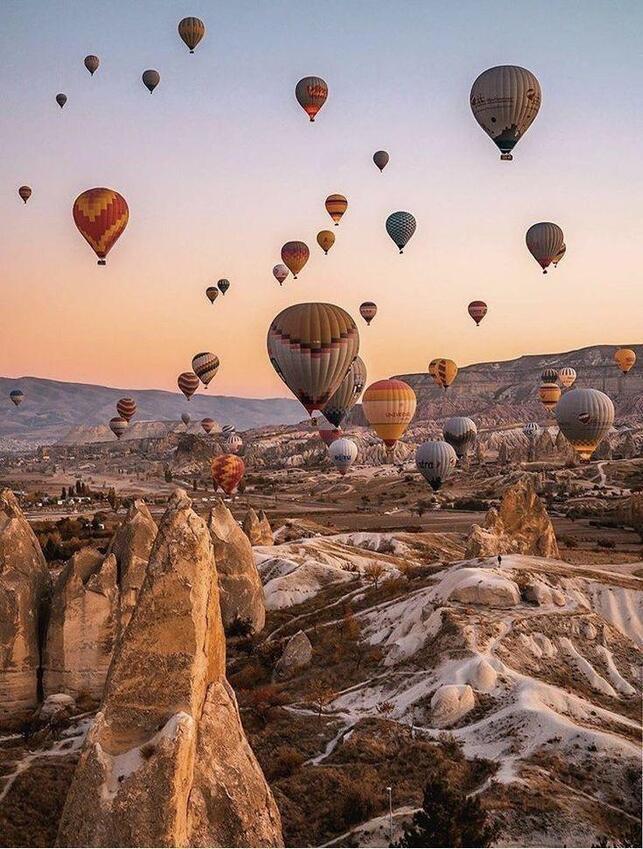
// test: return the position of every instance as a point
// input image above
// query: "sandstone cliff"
(257, 528)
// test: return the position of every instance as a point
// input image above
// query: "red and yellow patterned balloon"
(101, 215)
(227, 471)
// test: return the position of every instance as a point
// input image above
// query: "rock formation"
(82, 626)
(519, 526)
(23, 588)
(297, 654)
(240, 587)
(450, 703)
(131, 546)
(257, 528)
(166, 762)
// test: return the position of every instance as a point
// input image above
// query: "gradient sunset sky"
(220, 167)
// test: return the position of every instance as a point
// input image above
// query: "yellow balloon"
(325, 240)
(445, 372)
(625, 359)
(389, 406)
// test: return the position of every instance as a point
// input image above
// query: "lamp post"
(390, 815)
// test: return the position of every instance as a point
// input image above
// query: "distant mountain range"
(53, 407)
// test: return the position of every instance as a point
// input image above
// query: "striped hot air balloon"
(188, 383)
(118, 426)
(101, 215)
(232, 443)
(325, 240)
(561, 253)
(401, 226)
(567, 376)
(343, 453)
(432, 367)
(549, 394)
(17, 396)
(531, 430)
(380, 158)
(280, 272)
(585, 416)
(389, 406)
(460, 432)
(327, 431)
(435, 461)
(311, 94)
(545, 241)
(25, 193)
(345, 396)
(311, 347)
(368, 311)
(226, 430)
(336, 206)
(549, 375)
(205, 365)
(91, 63)
(624, 359)
(191, 31)
(295, 256)
(505, 101)
(207, 425)
(227, 471)
(477, 310)
(126, 408)
(212, 293)
(445, 372)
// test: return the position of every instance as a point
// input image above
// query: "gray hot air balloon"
(545, 242)
(345, 396)
(151, 79)
(436, 462)
(400, 226)
(505, 101)
(460, 432)
(343, 453)
(585, 416)
(380, 158)
(91, 63)
(17, 396)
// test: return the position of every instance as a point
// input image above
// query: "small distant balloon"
(549, 375)
(325, 240)
(400, 226)
(549, 394)
(625, 359)
(126, 408)
(368, 311)
(232, 443)
(208, 425)
(188, 383)
(531, 430)
(444, 373)
(343, 453)
(295, 256)
(205, 365)
(151, 79)
(280, 272)
(477, 310)
(567, 376)
(25, 193)
(186, 418)
(118, 426)
(61, 99)
(435, 461)
(311, 94)
(336, 206)
(545, 242)
(17, 396)
(91, 63)
(380, 158)
(191, 31)
(212, 293)
(223, 285)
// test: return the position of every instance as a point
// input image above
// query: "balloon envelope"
(311, 94)
(445, 372)
(17, 396)
(380, 158)
(567, 376)
(336, 206)
(327, 431)
(191, 31)
(212, 293)
(436, 462)
(223, 285)
(368, 311)
(101, 216)
(584, 417)
(118, 426)
(477, 310)
(460, 432)
(25, 193)
(549, 394)
(280, 272)
(227, 471)
(205, 366)
(325, 240)
(232, 443)
(151, 79)
(544, 242)
(295, 256)
(625, 359)
(343, 453)
(531, 430)
(126, 408)
(188, 383)
(549, 375)
(61, 99)
(389, 406)
(345, 396)
(207, 424)
(91, 63)
(400, 226)
(186, 418)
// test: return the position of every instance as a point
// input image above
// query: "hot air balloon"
(188, 383)
(126, 408)
(191, 31)
(226, 430)
(477, 310)
(549, 375)
(505, 101)
(624, 359)
(559, 255)
(544, 241)
(227, 471)
(460, 432)
(151, 79)
(212, 293)
(531, 430)
(118, 426)
(336, 206)
(567, 376)
(207, 424)
(25, 193)
(280, 272)
(205, 366)
(100, 215)
(17, 396)
(368, 311)
(91, 63)
(295, 256)
(584, 417)
(311, 347)
(389, 406)
(549, 394)
(311, 94)
(223, 285)
(343, 453)
(61, 99)
(232, 443)
(435, 461)
(186, 418)
(345, 396)
(327, 432)
(325, 240)
(445, 372)
(380, 158)
(432, 368)
(400, 226)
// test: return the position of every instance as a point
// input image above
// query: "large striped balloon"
(567, 376)
(505, 101)
(188, 383)
(101, 215)
(545, 242)
(585, 416)
(191, 31)
(311, 347)
(389, 406)
(232, 443)
(311, 94)
(336, 206)
(126, 408)
(400, 226)
(477, 310)
(549, 375)
(205, 366)
(460, 432)
(345, 396)
(227, 471)
(436, 462)
(295, 256)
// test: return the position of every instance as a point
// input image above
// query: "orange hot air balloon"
(325, 240)
(311, 94)
(477, 310)
(432, 368)
(445, 372)
(101, 215)
(624, 359)
(389, 406)
(227, 471)
(188, 383)
(295, 256)
(549, 394)
(126, 408)
(336, 206)
(25, 193)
